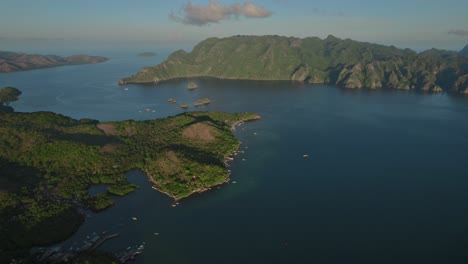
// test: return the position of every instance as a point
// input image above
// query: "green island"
(13, 61)
(343, 62)
(48, 161)
(122, 189)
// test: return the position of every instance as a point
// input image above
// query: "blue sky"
(416, 24)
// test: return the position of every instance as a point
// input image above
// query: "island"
(192, 86)
(342, 62)
(48, 161)
(12, 61)
(201, 102)
(147, 54)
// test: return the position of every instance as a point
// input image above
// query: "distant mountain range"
(344, 62)
(11, 61)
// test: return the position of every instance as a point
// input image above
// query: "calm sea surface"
(386, 180)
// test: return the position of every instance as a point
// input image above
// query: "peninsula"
(11, 61)
(343, 62)
(48, 161)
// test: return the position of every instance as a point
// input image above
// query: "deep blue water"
(386, 181)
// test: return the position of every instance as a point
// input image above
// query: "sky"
(415, 24)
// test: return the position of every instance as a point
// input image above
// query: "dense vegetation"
(122, 189)
(11, 61)
(48, 161)
(8, 95)
(99, 202)
(346, 63)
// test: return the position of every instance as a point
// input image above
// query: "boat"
(134, 219)
(305, 156)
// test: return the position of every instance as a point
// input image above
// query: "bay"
(386, 179)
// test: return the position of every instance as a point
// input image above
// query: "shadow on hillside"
(13, 176)
(194, 154)
(81, 138)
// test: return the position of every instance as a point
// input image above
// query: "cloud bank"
(214, 12)
(458, 32)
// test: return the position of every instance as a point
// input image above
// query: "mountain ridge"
(13, 61)
(343, 62)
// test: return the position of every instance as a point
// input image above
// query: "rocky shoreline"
(226, 160)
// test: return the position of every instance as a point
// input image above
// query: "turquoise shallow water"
(386, 180)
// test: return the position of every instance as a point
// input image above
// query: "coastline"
(240, 122)
(54, 66)
(463, 93)
(177, 199)
(226, 160)
(124, 82)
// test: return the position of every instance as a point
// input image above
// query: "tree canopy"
(8, 95)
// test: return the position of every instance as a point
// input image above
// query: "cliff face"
(346, 63)
(10, 61)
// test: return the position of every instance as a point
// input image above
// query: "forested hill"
(11, 61)
(346, 63)
(48, 161)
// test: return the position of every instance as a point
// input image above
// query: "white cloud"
(214, 12)
(249, 9)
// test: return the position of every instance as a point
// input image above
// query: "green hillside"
(346, 63)
(48, 161)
